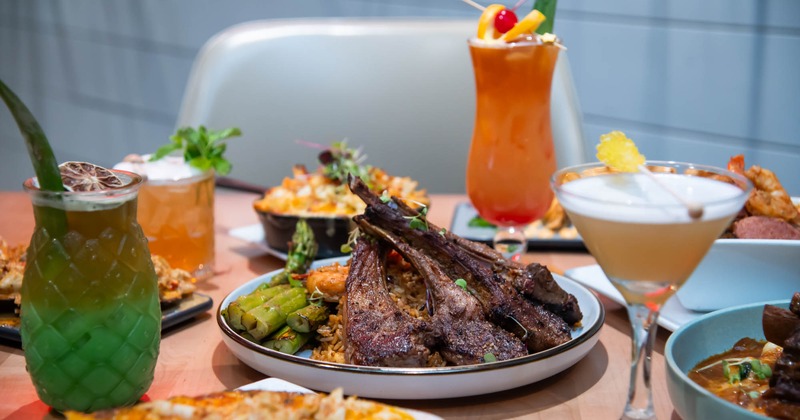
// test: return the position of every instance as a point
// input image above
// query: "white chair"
(402, 89)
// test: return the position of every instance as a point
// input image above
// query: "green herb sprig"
(419, 221)
(202, 148)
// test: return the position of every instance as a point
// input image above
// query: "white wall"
(688, 80)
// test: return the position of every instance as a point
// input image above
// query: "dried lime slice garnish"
(82, 176)
(619, 152)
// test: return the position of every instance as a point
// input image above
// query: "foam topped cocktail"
(512, 155)
(176, 211)
(645, 240)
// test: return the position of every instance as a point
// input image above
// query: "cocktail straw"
(475, 5)
(695, 208)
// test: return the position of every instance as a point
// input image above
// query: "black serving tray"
(464, 212)
(172, 314)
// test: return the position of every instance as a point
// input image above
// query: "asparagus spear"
(271, 315)
(287, 340)
(247, 302)
(308, 319)
(302, 250)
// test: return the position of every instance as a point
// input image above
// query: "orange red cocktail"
(512, 155)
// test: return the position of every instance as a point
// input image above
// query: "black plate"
(464, 212)
(182, 310)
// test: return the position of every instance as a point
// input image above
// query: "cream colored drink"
(645, 241)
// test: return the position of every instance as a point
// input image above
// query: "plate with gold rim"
(416, 383)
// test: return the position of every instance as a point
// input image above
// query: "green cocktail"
(90, 314)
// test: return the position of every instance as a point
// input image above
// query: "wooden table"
(193, 359)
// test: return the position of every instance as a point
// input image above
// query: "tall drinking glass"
(645, 240)
(90, 314)
(511, 157)
(176, 211)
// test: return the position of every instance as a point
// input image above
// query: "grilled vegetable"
(245, 303)
(271, 315)
(287, 340)
(302, 250)
(308, 319)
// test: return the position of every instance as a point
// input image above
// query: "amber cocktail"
(512, 156)
(176, 211)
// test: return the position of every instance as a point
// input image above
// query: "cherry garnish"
(505, 20)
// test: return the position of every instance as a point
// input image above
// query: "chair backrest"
(401, 89)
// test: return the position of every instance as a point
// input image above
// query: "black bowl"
(330, 232)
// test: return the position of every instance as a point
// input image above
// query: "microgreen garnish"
(347, 247)
(461, 283)
(419, 221)
(754, 394)
(385, 197)
(338, 161)
(316, 297)
(443, 231)
(202, 148)
(745, 366)
(489, 357)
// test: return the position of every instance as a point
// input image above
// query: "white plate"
(672, 315)
(255, 235)
(279, 385)
(418, 383)
(738, 272)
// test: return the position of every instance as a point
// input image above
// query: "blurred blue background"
(686, 79)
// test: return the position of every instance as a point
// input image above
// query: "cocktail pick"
(619, 152)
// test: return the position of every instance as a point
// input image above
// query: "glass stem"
(640, 394)
(511, 242)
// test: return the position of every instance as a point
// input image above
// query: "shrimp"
(768, 198)
(329, 280)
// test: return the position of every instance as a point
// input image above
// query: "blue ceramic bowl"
(706, 336)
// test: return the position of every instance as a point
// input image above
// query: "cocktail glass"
(645, 240)
(511, 156)
(90, 313)
(176, 211)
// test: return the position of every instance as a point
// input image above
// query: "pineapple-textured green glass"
(90, 314)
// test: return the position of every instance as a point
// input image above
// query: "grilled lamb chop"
(377, 331)
(539, 328)
(534, 281)
(458, 318)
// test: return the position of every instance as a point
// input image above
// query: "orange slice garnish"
(486, 29)
(527, 25)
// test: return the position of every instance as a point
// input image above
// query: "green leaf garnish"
(385, 197)
(754, 394)
(548, 9)
(489, 357)
(202, 148)
(41, 154)
(443, 231)
(479, 222)
(461, 283)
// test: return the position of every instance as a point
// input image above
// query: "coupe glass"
(511, 156)
(645, 241)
